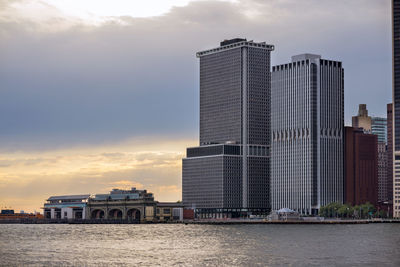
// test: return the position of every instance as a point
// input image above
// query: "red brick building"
(361, 167)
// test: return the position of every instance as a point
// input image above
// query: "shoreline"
(204, 222)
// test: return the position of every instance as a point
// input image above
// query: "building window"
(167, 210)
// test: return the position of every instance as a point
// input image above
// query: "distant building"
(307, 119)
(169, 211)
(379, 127)
(361, 167)
(4, 212)
(228, 174)
(66, 207)
(376, 126)
(131, 205)
(362, 120)
(10, 216)
(382, 172)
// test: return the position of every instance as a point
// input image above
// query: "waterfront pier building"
(131, 205)
(66, 207)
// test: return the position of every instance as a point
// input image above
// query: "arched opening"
(97, 214)
(115, 214)
(133, 215)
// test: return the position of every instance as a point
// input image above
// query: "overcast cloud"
(64, 82)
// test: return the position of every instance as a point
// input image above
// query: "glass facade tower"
(307, 134)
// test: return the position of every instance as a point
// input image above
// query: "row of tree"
(364, 211)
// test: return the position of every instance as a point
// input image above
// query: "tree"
(367, 210)
(335, 209)
(322, 212)
(344, 211)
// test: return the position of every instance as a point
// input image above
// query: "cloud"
(169, 189)
(27, 179)
(124, 184)
(139, 76)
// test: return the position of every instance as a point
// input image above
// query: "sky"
(98, 94)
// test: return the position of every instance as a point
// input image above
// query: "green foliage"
(337, 210)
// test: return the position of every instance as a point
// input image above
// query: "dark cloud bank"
(139, 76)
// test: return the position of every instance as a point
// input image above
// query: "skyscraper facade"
(382, 172)
(361, 167)
(389, 155)
(229, 171)
(307, 120)
(396, 105)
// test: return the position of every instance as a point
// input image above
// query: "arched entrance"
(97, 214)
(133, 215)
(115, 214)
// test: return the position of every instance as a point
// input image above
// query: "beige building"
(169, 211)
(362, 120)
(131, 205)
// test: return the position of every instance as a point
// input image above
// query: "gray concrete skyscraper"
(396, 105)
(228, 174)
(307, 120)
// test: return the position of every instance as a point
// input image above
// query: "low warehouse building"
(169, 211)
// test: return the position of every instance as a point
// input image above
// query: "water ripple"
(200, 245)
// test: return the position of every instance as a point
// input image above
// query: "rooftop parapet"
(235, 43)
(68, 199)
(305, 57)
(120, 194)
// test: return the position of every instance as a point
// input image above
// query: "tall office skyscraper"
(396, 105)
(307, 134)
(389, 155)
(229, 172)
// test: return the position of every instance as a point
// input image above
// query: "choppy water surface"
(199, 245)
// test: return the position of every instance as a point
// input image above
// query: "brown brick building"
(361, 167)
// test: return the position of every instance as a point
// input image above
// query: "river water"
(199, 245)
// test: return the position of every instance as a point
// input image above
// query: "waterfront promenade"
(203, 221)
